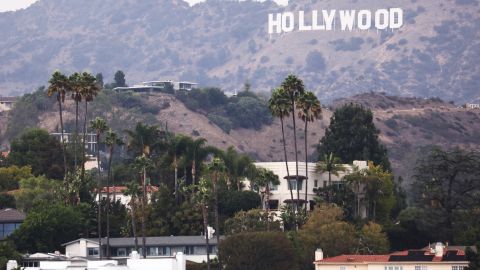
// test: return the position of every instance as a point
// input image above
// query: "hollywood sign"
(326, 20)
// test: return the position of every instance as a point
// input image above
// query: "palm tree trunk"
(296, 155)
(267, 206)
(75, 136)
(329, 184)
(59, 99)
(193, 171)
(306, 166)
(205, 227)
(144, 202)
(108, 210)
(134, 223)
(176, 178)
(217, 223)
(99, 194)
(84, 144)
(286, 160)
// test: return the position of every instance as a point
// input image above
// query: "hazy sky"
(6, 5)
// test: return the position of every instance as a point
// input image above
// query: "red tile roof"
(356, 259)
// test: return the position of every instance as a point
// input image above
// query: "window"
(421, 267)
(163, 251)
(92, 251)
(315, 183)
(393, 267)
(458, 267)
(212, 249)
(189, 250)
(152, 251)
(325, 184)
(273, 204)
(121, 252)
(293, 185)
(273, 187)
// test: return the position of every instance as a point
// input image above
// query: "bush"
(222, 122)
(257, 251)
(232, 201)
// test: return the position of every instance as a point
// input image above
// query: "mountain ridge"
(226, 43)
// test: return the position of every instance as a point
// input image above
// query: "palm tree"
(264, 179)
(177, 145)
(76, 82)
(111, 140)
(279, 105)
(133, 190)
(294, 87)
(197, 152)
(89, 90)
(309, 109)
(143, 163)
(144, 139)
(216, 167)
(100, 126)
(330, 164)
(60, 85)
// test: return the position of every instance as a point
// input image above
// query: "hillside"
(406, 125)
(226, 43)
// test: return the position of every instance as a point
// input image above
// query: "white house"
(472, 106)
(280, 194)
(6, 103)
(193, 247)
(438, 257)
(117, 193)
(158, 86)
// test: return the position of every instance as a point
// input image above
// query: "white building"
(193, 247)
(472, 106)
(117, 193)
(158, 86)
(280, 194)
(6, 103)
(438, 257)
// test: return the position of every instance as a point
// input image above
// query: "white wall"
(381, 266)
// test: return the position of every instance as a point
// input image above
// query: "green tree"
(257, 251)
(100, 126)
(7, 201)
(445, 184)
(279, 106)
(59, 86)
(10, 177)
(47, 227)
(142, 163)
(8, 252)
(309, 110)
(99, 79)
(264, 180)
(352, 135)
(216, 168)
(119, 79)
(39, 150)
(36, 190)
(134, 191)
(330, 164)
(372, 240)
(254, 220)
(76, 85)
(473, 257)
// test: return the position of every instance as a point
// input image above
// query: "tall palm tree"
(75, 80)
(143, 163)
(177, 145)
(279, 105)
(59, 86)
(216, 167)
(100, 126)
(134, 191)
(89, 90)
(197, 152)
(294, 87)
(332, 165)
(309, 109)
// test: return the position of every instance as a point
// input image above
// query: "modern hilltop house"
(158, 86)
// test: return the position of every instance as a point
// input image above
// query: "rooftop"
(154, 241)
(11, 215)
(122, 189)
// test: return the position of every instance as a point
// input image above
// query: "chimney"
(318, 254)
(439, 249)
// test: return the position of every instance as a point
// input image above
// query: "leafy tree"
(248, 112)
(353, 136)
(473, 257)
(330, 164)
(254, 220)
(119, 79)
(339, 195)
(8, 252)
(257, 251)
(233, 201)
(7, 201)
(37, 190)
(134, 191)
(372, 240)
(263, 180)
(39, 150)
(446, 183)
(59, 86)
(11, 176)
(48, 226)
(309, 110)
(99, 79)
